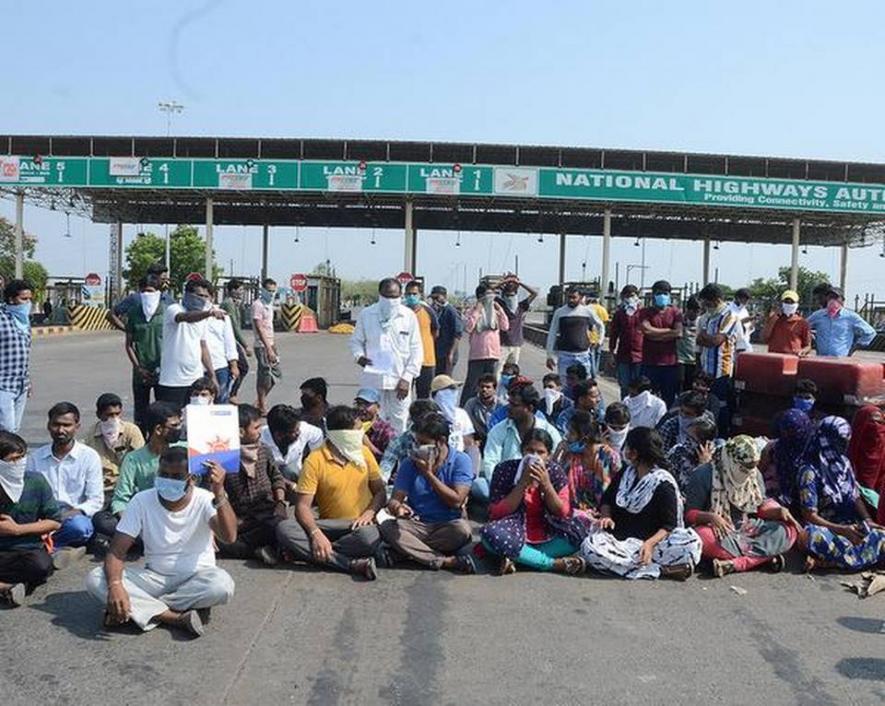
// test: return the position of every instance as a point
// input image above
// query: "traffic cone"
(308, 322)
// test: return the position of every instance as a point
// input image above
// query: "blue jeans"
(12, 409)
(565, 359)
(76, 531)
(627, 373)
(223, 376)
(664, 381)
(479, 491)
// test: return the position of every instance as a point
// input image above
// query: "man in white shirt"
(646, 409)
(223, 353)
(73, 471)
(185, 356)
(175, 521)
(288, 440)
(386, 343)
(738, 306)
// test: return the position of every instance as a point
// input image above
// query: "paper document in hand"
(383, 363)
(213, 434)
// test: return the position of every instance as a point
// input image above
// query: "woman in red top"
(531, 518)
(867, 453)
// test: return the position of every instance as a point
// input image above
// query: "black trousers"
(141, 399)
(243, 365)
(262, 533)
(475, 370)
(422, 382)
(105, 523)
(178, 396)
(28, 566)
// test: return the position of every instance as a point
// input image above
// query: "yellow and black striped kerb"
(89, 318)
(291, 316)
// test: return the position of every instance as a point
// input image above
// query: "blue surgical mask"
(21, 313)
(662, 300)
(170, 489)
(803, 404)
(412, 299)
(191, 302)
(267, 296)
(506, 380)
(577, 447)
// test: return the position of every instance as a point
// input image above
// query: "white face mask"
(200, 400)
(616, 438)
(110, 430)
(789, 309)
(349, 443)
(12, 478)
(387, 306)
(447, 400)
(512, 301)
(551, 397)
(150, 302)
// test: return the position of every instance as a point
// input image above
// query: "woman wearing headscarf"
(531, 518)
(725, 503)
(589, 463)
(640, 533)
(697, 450)
(840, 533)
(867, 452)
(782, 458)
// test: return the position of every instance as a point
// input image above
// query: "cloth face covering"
(789, 309)
(512, 301)
(631, 305)
(170, 489)
(412, 300)
(249, 458)
(110, 430)
(826, 452)
(386, 307)
(867, 448)
(447, 400)
(12, 478)
(833, 308)
(349, 442)
(617, 438)
(487, 321)
(794, 430)
(192, 302)
(735, 480)
(150, 301)
(551, 397)
(199, 400)
(662, 300)
(21, 314)
(267, 296)
(803, 404)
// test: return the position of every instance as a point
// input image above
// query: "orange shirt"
(789, 335)
(425, 328)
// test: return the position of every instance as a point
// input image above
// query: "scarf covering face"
(826, 454)
(867, 448)
(349, 443)
(794, 430)
(110, 430)
(150, 302)
(735, 478)
(249, 458)
(487, 321)
(634, 495)
(12, 478)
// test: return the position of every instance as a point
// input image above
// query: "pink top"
(262, 318)
(485, 345)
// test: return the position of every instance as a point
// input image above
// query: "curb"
(47, 331)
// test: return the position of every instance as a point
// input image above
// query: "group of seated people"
(561, 482)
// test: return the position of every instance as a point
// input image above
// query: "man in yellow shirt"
(428, 327)
(593, 334)
(343, 476)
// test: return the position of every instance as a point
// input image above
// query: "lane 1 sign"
(298, 282)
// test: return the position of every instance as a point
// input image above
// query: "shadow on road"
(871, 625)
(871, 668)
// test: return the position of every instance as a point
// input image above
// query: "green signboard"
(443, 180)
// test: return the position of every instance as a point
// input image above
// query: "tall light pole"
(170, 108)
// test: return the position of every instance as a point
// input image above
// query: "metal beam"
(562, 237)
(706, 272)
(606, 252)
(118, 260)
(264, 233)
(794, 259)
(410, 238)
(843, 267)
(210, 261)
(19, 234)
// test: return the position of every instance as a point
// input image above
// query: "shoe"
(464, 564)
(506, 567)
(267, 555)
(191, 622)
(365, 568)
(66, 556)
(14, 595)
(100, 546)
(385, 557)
(722, 567)
(574, 566)
(679, 572)
(777, 563)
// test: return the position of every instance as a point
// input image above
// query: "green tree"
(188, 254)
(771, 289)
(361, 291)
(32, 270)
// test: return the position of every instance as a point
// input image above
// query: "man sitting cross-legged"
(343, 476)
(175, 521)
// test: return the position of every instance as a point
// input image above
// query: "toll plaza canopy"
(451, 186)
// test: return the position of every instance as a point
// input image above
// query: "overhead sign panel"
(443, 180)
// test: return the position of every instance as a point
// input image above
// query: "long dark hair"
(648, 445)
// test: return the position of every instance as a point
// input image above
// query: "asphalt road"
(295, 635)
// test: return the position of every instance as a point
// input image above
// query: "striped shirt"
(36, 503)
(718, 361)
(15, 354)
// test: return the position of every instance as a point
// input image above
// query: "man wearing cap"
(837, 330)
(451, 328)
(378, 433)
(445, 392)
(785, 330)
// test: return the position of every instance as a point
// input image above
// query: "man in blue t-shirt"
(451, 328)
(427, 524)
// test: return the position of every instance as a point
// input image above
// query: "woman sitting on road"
(867, 453)
(725, 502)
(532, 522)
(697, 449)
(781, 458)
(641, 533)
(840, 532)
(590, 464)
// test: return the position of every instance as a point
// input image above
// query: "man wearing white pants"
(175, 521)
(386, 344)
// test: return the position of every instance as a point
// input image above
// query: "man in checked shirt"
(15, 353)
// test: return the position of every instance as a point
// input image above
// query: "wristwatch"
(218, 502)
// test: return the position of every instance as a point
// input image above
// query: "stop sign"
(93, 279)
(404, 278)
(193, 276)
(298, 282)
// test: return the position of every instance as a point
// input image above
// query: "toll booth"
(323, 297)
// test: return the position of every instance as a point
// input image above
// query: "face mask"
(617, 437)
(662, 300)
(488, 297)
(110, 430)
(803, 404)
(512, 301)
(412, 300)
(170, 489)
(789, 309)
(349, 443)
(387, 305)
(551, 397)
(191, 302)
(173, 436)
(631, 304)
(266, 295)
(833, 307)
(448, 402)
(150, 302)
(577, 447)
(684, 423)
(12, 478)
(21, 313)
(200, 400)
(506, 380)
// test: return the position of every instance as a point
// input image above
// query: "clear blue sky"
(790, 78)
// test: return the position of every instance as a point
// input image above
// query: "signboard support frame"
(19, 234)
(562, 238)
(706, 267)
(843, 267)
(794, 257)
(209, 219)
(264, 233)
(606, 253)
(411, 239)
